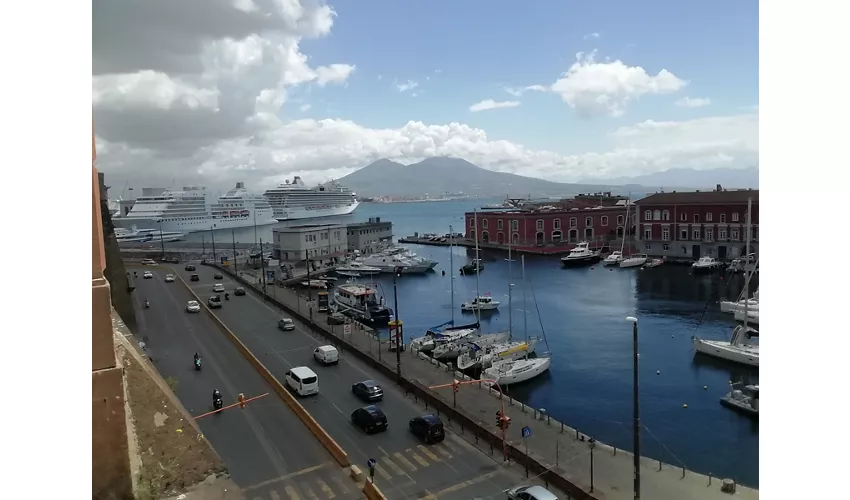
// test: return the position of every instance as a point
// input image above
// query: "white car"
(193, 307)
(218, 287)
(169, 278)
(148, 275)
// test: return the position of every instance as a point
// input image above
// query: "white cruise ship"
(294, 200)
(188, 210)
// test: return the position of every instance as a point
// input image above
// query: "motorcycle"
(147, 304)
(226, 296)
(217, 404)
(197, 364)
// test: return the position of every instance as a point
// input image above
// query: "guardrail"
(552, 475)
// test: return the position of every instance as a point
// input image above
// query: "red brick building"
(689, 225)
(547, 226)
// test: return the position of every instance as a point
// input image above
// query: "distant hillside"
(438, 175)
(696, 179)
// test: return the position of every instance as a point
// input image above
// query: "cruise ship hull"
(297, 213)
(191, 226)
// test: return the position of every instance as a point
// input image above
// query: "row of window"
(323, 236)
(540, 223)
(683, 217)
(696, 234)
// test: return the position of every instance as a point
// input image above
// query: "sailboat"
(509, 372)
(484, 302)
(476, 266)
(616, 256)
(740, 349)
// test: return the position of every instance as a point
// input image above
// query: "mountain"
(697, 179)
(439, 175)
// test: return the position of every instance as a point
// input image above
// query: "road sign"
(526, 431)
(371, 463)
(270, 275)
(346, 329)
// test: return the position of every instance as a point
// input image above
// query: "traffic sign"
(270, 275)
(526, 431)
(371, 463)
(346, 329)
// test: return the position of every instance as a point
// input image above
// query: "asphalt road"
(269, 452)
(452, 470)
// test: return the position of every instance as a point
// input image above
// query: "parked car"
(218, 276)
(189, 267)
(428, 428)
(192, 306)
(239, 291)
(368, 390)
(148, 275)
(169, 278)
(194, 277)
(214, 302)
(370, 419)
(286, 324)
(530, 493)
(218, 288)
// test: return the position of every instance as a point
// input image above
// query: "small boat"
(480, 304)
(580, 256)
(752, 316)
(744, 398)
(634, 260)
(706, 264)
(653, 263)
(475, 266)
(613, 259)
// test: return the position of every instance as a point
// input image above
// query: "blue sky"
(481, 47)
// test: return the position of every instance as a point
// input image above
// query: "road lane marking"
(290, 492)
(341, 483)
(395, 468)
(460, 486)
(428, 453)
(284, 478)
(383, 472)
(443, 452)
(416, 457)
(305, 487)
(326, 489)
(405, 461)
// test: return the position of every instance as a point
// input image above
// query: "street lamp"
(635, 406)
(398, 328)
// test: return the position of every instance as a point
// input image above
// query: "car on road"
(369, 419)
(214, 302)
(193, 307)
(302, 380)
(428, 428)
(368, 390)
(189, 267)
(149, 262)
(286, 324)
(326, 355)
(169, 278)
(530, 493)
(218, 288)
(218, 276)
(148, 275)
(194, 277)
(239, 291)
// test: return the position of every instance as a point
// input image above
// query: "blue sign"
(526, 431)
(371, 463)
(270, 275)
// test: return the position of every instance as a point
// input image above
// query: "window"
(573, 222)
(588, 222)
(666, 247)
(472, 222)
(486, 223)
(734, 216)
(656, 215)
(734, 235)
(540, 224)
(557, 223)
(709, 234)
(695, 235)
(647, 233)
(648, 246)
(499, 224)
(665, 233)
(604, 220)
(683, 234)
(647, 215)
(696, 218)
(514, 225)
(709, 216)
(721, 235)
(723, 218)
(683, 217)
(557, 236)
(621, 219)
(665, 215)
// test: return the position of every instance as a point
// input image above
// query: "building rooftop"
(307, 227)
(373, 221)
(718, 196)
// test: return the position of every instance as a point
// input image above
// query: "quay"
(561, 248)
(563, 457)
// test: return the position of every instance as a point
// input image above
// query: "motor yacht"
(480, 304)
(706, 264)
(358, 267)
(580, 256)
(360, 302)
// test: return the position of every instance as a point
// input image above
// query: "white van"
(302, 380)
(326, 355)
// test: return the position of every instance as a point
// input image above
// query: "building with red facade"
(548, 225)
(689, 225)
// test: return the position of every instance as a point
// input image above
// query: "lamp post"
(212, 235)
(398, 328)
(635, 406)
(161, 240)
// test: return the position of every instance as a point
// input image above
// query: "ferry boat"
(294, 200)
(188, 210)
(360, 302)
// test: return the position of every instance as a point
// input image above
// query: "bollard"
(562, 427)
(557, 452)
(659, 465)
(576, 433)
(709, 479)
(683, 473)
(615, 451)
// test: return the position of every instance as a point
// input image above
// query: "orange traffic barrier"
(242, 401)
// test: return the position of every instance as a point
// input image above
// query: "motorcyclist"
(197, 358)
(216, 396)
(226, 296)
(147, 303)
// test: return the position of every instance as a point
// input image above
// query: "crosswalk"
(308, 487)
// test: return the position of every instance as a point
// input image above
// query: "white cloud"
(519, 91)
(404, 87)
(591, 36)
(304, 107)
(693, 102)
(596, 88)
(335, 73)
(491, 104)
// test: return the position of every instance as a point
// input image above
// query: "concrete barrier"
(320, 433)
(372, 492)
(356, 473)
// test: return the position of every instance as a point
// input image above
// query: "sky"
(211, 92)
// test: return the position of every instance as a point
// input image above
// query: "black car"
(189, 267)
(370, 419)
(214, 302)
(218, 276)
(239, 291)
(428, 428)
(368, 391)
(194, 277)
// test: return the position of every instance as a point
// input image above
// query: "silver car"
(530, 493)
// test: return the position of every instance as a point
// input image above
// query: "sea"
(582, 313)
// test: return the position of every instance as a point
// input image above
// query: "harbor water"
(582, 312)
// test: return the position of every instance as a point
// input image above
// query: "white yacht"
(134, 235)
(634, 260)
(485, 356)
(294, 200)
(407, 253)
(581, 255)
(517, 371)
(189, 210)
(613, 259)
(390, 262)
(740, 349)
(455, 348)
(480, 303)
(357, 267)
(706, 264)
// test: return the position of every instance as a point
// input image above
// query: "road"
(406, 467)
(269, 452)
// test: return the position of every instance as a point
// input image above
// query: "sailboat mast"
(510, 302)
(625, 225)
(452, 269)
(524, 307)
(477, 269)
(749, 230)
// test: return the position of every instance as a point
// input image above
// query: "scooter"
(217, 404)
(198, 364)
(147, 304)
